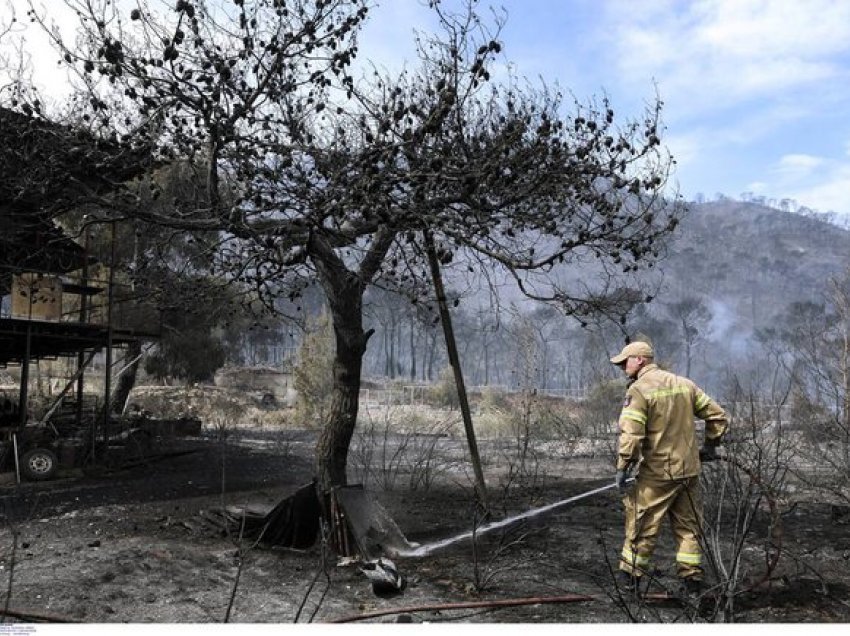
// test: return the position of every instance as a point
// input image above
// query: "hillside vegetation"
(754, 259)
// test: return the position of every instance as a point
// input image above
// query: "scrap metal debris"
(384, 575)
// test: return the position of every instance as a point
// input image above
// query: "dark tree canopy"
(49, 168)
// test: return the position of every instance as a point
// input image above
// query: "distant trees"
(192, 354)
(302, 173)
(813, 345)
(821, 349)
(653, 322)
(674, 328)
(691, 317)
(200, 320)
(486, 337)
(396, 321)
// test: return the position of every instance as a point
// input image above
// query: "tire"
(39, 464)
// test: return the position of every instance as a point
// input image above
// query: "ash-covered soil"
(140, 545)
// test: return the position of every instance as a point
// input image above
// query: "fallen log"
(659, 597)
(436, 607)
(29, 616)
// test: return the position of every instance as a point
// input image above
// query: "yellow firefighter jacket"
(657, 425)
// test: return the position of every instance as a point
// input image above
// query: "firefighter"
(658, 438)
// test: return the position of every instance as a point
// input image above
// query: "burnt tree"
(310, 175)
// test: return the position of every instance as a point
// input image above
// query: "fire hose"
(422, 550)
(772, 559)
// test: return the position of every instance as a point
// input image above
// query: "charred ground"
(141, 545)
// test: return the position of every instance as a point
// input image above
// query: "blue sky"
(756, 92)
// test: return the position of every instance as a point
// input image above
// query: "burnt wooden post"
(84, 282)
(107, 379)
(454, 361)
(23, 395)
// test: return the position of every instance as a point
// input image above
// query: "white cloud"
(721, 52)
(817, 182)
(686, 147)
(738, 74)
(798, 166)
(690, 145)
(829, 193)
(766, 29)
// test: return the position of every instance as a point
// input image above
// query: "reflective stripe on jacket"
(657, 424)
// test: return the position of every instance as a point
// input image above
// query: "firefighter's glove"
(620, 480)
(708, 453)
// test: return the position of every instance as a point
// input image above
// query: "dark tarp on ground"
(292, 523)
(295, 521)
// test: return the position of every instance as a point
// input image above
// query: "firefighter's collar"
(650, 367)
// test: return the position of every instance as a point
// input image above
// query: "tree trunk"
(127, 380)
(391, 359)
(386, 347)
(344, 293)
(335, 438)
(432, 352)
(412, 352)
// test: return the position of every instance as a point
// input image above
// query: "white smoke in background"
(726, 330)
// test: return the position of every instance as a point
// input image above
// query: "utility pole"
(84, 283)
(107, 380)
(454, 361)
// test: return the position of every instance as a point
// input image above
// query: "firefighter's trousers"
(646, 506)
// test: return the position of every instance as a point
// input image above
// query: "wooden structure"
(53, 301)
(48, 313)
